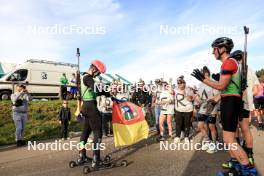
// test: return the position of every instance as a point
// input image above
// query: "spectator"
(259, 104)
(156, 103)
(20, 101)
(63, 81)
(105, 105)
(184, 109)
(167, 110)
(73, 89)
(64, 119)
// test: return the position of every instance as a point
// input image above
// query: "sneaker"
(170, 138)
(19, 143)
(89, 140)
(230, 164)
(211, 148)
(186, 140)
(177, 140)
(230, 172)
(161, 138)
(182, 135)
(205, 145)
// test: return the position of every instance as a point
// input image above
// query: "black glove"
(216, 76)
(198, 75)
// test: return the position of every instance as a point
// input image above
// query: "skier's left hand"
(198, 75)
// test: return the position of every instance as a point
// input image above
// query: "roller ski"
(107, 163)
(83, 159)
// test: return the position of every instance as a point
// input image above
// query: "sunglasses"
(180, 83)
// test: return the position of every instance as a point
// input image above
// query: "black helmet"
(223, 42)
(237, 55)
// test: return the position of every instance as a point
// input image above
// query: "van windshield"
(19, 75)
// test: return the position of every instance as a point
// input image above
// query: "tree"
(260, 74)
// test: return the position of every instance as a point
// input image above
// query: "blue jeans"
(157, 115)
(20, 120)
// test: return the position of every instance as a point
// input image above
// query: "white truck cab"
(44, 75)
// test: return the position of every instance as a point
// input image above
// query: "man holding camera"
(20, 100)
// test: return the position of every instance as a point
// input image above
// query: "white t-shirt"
(252, 80)
(205, 92)
(166, 95)
(181, 102)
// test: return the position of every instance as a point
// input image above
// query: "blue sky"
(134, 41)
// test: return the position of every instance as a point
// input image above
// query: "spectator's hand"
(60, 121)
(69, 122)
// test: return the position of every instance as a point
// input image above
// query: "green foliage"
(260, 74)
(42, 121)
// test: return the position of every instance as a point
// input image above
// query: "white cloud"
(18, 43)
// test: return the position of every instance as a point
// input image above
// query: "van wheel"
(5, 95)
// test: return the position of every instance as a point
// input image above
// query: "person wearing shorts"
(248, 105)
(259, 104)
(207, 115)
(166, 110)
(230, 86)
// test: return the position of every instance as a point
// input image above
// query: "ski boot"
(230, 172)
(81, 160)
(247, 171)
(230, 164)
(107, 163)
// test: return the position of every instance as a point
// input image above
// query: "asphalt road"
(145, 158)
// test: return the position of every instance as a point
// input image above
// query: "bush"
(42, 121)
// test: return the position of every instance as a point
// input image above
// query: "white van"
(37, 72)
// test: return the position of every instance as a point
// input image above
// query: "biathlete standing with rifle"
(92, 120)
(230, 85)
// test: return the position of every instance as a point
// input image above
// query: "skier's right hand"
(198, 75)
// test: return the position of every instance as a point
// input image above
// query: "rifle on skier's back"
(78, 84)
(244, 63)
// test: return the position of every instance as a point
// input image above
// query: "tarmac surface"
(145, 159)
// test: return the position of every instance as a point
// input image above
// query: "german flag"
(129, 124)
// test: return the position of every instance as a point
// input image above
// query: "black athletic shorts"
(259, 103)
(244, 114)
(205, 118)
(230, 111)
